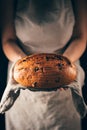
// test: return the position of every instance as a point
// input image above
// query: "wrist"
(20, 56)
(68, 57)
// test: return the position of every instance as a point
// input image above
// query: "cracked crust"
(44, 71)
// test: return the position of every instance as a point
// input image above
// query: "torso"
(50, 34)
(52, 110)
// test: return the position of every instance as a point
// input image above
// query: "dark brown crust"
(44, 71)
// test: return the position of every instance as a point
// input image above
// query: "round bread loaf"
(44, 71)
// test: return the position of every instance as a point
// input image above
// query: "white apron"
(52, 110)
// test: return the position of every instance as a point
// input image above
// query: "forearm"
(12, 51)
(9, 45)
(75, 50)
(78, 45)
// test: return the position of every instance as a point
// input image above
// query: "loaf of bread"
(44, 71)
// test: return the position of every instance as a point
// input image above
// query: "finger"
(61, 89)
(65, 88)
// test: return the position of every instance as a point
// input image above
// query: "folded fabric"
(12, 92)
(78, 99)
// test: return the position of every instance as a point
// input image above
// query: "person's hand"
(11, 93)
(63, 88)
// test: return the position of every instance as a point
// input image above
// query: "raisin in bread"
(44, 71)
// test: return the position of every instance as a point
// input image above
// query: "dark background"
(3, 74)
(84, 65)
